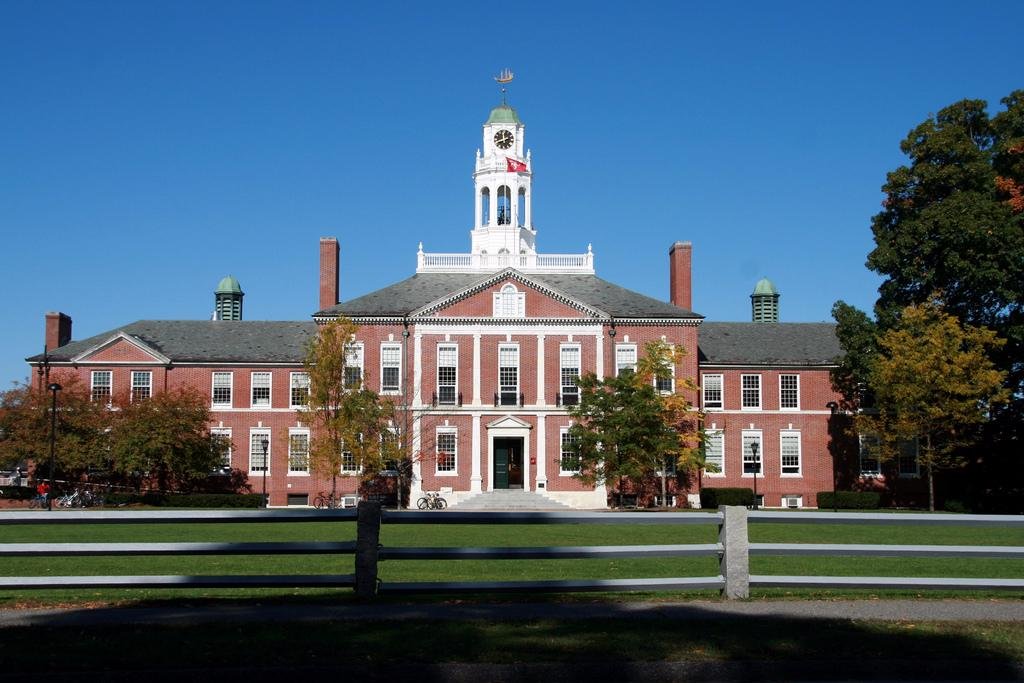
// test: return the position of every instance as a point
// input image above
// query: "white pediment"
(152, 355)
(509, 422)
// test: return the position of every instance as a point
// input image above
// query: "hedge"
(18, 492)
(714, 498)
(850, 500)
(182, 500)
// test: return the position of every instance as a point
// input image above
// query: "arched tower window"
(485, 206)
(521, 207)
(509, 302)
(504, 205)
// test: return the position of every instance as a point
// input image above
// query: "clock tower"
(503, 221)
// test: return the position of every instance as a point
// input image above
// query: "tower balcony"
(485, 263)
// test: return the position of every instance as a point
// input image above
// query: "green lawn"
(478, 570)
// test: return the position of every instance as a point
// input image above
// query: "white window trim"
(861, 438)
(226, 433)
(298, 473)
(721, 435)
(109, 385)
(797, 376)
(721, 390)
(623, 347)
(148, 374)
(437, 372)
(760, 388)
(437, 459)
(519, 371)
(799, 500)
(760, 453)
(393, 346)
(563, 472)
(291, 386)
(579, 365)
(351, 472)
(355, 350)
(671, 380)
(252, 386)
(260, 431)
(231, 388)
(519, 300)
(799, 453)
(916, 474)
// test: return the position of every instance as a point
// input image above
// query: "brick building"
(483, 348)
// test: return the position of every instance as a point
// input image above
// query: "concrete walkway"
(885, 610)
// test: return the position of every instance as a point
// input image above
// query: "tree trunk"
(931, 489)
(664, 486)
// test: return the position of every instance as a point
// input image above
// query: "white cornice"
(158, 358)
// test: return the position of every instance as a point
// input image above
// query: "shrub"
(850, 500)
(18, 492)
(193, 500)
(712, 498)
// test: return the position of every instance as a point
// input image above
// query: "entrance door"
(508, 463)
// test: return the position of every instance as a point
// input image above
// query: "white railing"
(530, 263)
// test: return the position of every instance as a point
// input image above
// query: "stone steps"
(509, 500)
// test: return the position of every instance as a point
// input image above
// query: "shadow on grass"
(605, 641)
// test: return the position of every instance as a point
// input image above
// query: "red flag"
(515, 166)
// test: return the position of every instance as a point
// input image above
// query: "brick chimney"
(58, 330)
(679, 283)
(329, 252)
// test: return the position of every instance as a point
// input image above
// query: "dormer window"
(509, 303)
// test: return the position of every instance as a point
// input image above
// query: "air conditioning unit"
(792, 501)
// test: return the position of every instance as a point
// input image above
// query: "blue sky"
(147, 149)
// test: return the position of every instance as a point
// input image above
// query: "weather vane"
(503, 78)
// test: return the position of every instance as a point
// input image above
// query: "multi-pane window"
(666, 384)
(714, 451)
(712, 392)
(222, 437)
(625, 358)
(669, 466)
(353, 365)
(222, 389)
(348, 462)
(261, 389)
(298, 451)
(298, 393)
(509, 302)
(907, 458)
(750, 386)
(102, 385)
(752, 456)
(390, 368)
(142, 385)
(789, 392)
(569, 462)
(789, 448)
(447, 374)
(570, 372)
(446, 444)
(508, 374)
(869, 451)
(259, 450)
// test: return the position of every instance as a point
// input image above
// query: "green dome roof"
(229, 285)
(764, 286)
(503, 114)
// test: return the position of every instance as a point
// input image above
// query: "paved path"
(886, 610)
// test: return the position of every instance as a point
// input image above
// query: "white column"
(540, 370)
(492, 219)
(542, 469)
(599, 370)
(416, 485)
(529, 211)
(476, 369)
(477, 206)
(417, 370)
(475, 479)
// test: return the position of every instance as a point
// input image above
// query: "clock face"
(503, 139)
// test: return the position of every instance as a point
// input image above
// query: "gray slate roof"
(768, 343)
(208, 341)
(421, 289)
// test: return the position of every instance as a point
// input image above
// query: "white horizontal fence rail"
(72, 517)
(733, 550)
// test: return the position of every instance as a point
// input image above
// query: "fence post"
(367, 545)
(735, 561)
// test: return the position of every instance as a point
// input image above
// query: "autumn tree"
(349, 420)
(625, 429)
(934, 383)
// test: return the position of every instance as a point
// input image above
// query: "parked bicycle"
(331, 501)
(432, 501)
(37, 501)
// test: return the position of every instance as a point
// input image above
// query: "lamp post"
(266, 466)
(756, 466)
(54, 388)
(833, 408)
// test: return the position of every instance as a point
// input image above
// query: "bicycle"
(330, 501)
(36, 501)
(431, 501)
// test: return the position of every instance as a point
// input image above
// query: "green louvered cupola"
(228, 300)
(764, 302)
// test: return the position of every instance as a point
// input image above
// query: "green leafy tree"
(934, 383)
(953, 223)
(165, 438)
(82, 427)
(624, 429)
(347, 418)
